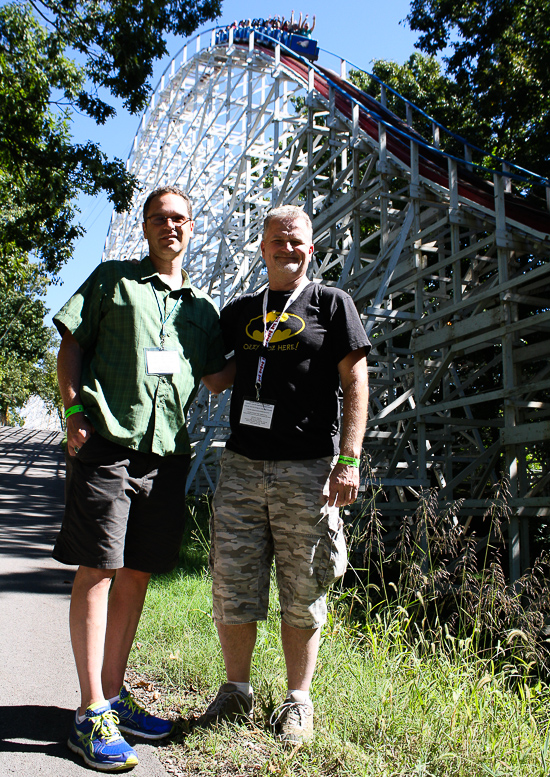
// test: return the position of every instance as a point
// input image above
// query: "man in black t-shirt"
(286, 470)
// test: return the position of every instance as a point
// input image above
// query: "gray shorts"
(274, 509)
(123, 508)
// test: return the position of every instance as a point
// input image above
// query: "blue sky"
(358, 30)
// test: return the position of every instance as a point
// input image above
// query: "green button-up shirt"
(114, 317)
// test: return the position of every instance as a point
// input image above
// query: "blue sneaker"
(99, 742)
(133, 719)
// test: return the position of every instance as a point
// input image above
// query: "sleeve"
(81, 315)
(215, 360)
(228, 319)
(347, 332)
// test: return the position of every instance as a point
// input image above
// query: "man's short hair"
(167, 190)
(291, 212)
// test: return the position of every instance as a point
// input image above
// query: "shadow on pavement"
(31, 509)
(41, 581)
(45, 729)
(28, 520)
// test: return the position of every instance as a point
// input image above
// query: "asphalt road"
(38, 683)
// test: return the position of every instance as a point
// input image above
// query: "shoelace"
(288, 705)
(219, 701)
(134, 706)
(107, 725)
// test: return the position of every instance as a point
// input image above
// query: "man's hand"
(343, 485)
(344, 480)
(79, 431)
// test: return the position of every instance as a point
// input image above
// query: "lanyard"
(163, 318)
(269, 332)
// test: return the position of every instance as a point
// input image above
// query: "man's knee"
(94, 576)
(135, 574)
(132, 579)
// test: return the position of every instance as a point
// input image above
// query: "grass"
(396, 693)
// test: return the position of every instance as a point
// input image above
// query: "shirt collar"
(148, 271)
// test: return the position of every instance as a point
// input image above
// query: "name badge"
(258, 414)
(159, 362)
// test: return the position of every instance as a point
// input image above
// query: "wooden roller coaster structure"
(447, 266)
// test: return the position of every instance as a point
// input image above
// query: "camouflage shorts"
(274, 509)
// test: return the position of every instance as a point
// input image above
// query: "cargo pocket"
(334, 554)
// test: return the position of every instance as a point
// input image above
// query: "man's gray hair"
(290, 212)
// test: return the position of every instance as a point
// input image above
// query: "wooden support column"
(276, 124)
(419, 378)
(356, 185)
(309, 187)
(508, 373)
(383, 170)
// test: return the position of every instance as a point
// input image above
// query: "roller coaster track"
(447, 266)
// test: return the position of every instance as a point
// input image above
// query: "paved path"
(38, 683)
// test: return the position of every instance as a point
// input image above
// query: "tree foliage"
(21, 379)
(497, 52)
(57, 57)
(421, 80)
(27, 361)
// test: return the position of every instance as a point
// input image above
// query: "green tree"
(57, 57)
(42, 170)
(421, 81)
(45, 383)
(26, 345)
(21, 379)
(497, 52)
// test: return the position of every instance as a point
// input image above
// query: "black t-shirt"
(301, 375)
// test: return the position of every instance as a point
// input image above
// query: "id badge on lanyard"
(255, 412)
(162, 361)
(159, 361)
(258, 414)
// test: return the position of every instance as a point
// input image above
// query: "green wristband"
(74, 409)
(349, 460)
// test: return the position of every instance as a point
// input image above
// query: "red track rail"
(432, 164)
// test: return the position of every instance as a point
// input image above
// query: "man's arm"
(69, 372)
(219, 381)
(344, 480)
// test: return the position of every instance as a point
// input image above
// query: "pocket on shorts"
(334, 553)
(86, 446)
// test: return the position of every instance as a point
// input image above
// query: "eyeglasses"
(160, 221)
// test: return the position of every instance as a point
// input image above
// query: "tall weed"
(447, 583)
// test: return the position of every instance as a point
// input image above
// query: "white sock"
(81, 718)
(244, 688)
(115, 698)
(302, 697)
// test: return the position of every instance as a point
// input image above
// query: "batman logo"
(289, 326)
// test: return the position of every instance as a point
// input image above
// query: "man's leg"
(94, 737)
(237, 647)
(301, 647)
(240, 561)
(292, 721)
(125, 605)
(88, 623)
(303, 556)
(235, 698)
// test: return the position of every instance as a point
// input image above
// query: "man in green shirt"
(136, 341)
